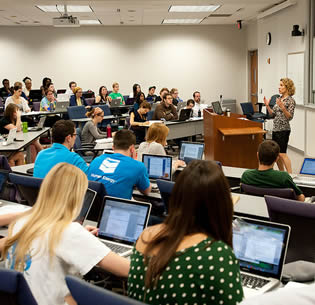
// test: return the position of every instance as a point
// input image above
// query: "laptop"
(260, 246)
(216, 106)
(63, 97)
(121, 222)
(307, 172)
(158, 166)
(61, 91)
(191, 151)
(116, 102)
(184, 114)
(39, 126)
(11, 137)
(180, 106)
(86, 206)
(62, 106)
(35, 95)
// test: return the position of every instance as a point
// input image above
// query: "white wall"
(280, 26)
(211, 59)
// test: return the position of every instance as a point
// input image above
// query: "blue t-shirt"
(57, 153)
(119, 174)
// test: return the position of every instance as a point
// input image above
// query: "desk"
(18, 145)
(106, 117)
(38, 113)
(21, 169)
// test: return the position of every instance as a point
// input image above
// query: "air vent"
(131, 11)
(220, 15)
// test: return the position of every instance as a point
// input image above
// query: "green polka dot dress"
(196, 275)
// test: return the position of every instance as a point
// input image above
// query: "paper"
(103, 141)
(155, 121)
(13, 208)
(235, 198)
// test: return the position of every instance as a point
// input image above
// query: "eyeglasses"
(74, 134)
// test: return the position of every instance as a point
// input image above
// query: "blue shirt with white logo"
(119, 174)
(57, 153)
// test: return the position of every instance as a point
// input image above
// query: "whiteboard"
(295, 71)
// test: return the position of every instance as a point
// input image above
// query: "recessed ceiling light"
(90, 22)
(70, 8)
(193, 8)
(181, 21)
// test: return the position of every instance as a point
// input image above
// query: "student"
(140, 98)
(51, 87)
(151, 95)
(48, 103)
(116, 95)
(138, 119)
(119, 172)
(45, 84)
(72, 85)
(28, 86)
(265, 175)
(165, 110)
(17, 99)
(155, 143)
(5, 90)
(103, 97)
(189, 257)
(77, 99)
(197, 108)
(10, 120)
(47, 245)
(163, 91)
(190, 104)
(136, 89)
(63, 137)
(176, 99)
(90, 131)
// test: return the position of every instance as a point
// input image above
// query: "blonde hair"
(58, 203)
(157, 132)
(289, 84)
(76, 89)
(115, 84)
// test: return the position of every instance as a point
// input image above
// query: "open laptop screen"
(158, 167)
(217, 108)
(123, 220)
(86, 206)
(191, 150)
(260, 246)
(308, 167)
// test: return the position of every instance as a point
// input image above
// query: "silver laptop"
(121, 222)
(158, 167)
(191, 151)
(260, 246)
(63, 97)
(39, 126)
(62, 106)
(181, 105)
(86, 206)
(11, 137)
(307, 172)
(116, 102)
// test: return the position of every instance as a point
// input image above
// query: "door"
(254, 78)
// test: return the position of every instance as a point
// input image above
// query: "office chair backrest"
(78, 142)
(96, 207)
(150, 115)
(247, 108)
(28, 186)
(300, 217)
(262, 191)
(105, 109)
(14, 289)
(165, 188)
(130, 101)
(76, 112)
(7, 189)
(87, 294)
(90, 100)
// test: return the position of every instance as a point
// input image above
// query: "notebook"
(191, 151)
(39, 126)
(158, 166)
(11, 137)
(260, 246)
(86, 206)
(307, 172)
(60, 106)
(121, 222)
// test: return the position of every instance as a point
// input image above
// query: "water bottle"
(199, 113)
(51, 107)
(109, 131)
(221, 100)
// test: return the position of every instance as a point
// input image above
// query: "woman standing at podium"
(282, 113)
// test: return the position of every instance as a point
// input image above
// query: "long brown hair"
(200, 203)
(9, 112)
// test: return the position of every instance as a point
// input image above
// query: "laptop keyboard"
(116, 248)
(305, 180)
(253, 282)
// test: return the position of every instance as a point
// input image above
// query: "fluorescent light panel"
(182, 21)
(89, 22)
(70, 8)
(193, 8)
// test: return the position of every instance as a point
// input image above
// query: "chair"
(106, 111)
(81, 149)
(130, 101)
(8, 190)
(1, 105)
(76, 112)
(248, 110)
(99, 188)
(150, 115)
(90, 101)
(126, 97)
(300, 217)
(262, 191)
(86, 294)
(165, 188)
(14, 289)
(28, 186)
(36, 106)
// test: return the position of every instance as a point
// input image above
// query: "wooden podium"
(232, 140)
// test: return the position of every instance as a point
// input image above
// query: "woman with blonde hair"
(46, 244)
(155, 142)
(90, 131)
(282, 113)
(77, 99)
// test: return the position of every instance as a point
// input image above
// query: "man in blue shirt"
(63, 136)
(119, 172)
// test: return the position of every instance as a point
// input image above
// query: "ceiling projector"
(66, 21)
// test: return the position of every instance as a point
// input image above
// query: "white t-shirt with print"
(77, 253)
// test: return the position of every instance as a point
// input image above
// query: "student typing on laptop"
(265, 175)
(119, 172)
(69, 248)
(166, 110)
(48, 103)
(189, 258)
